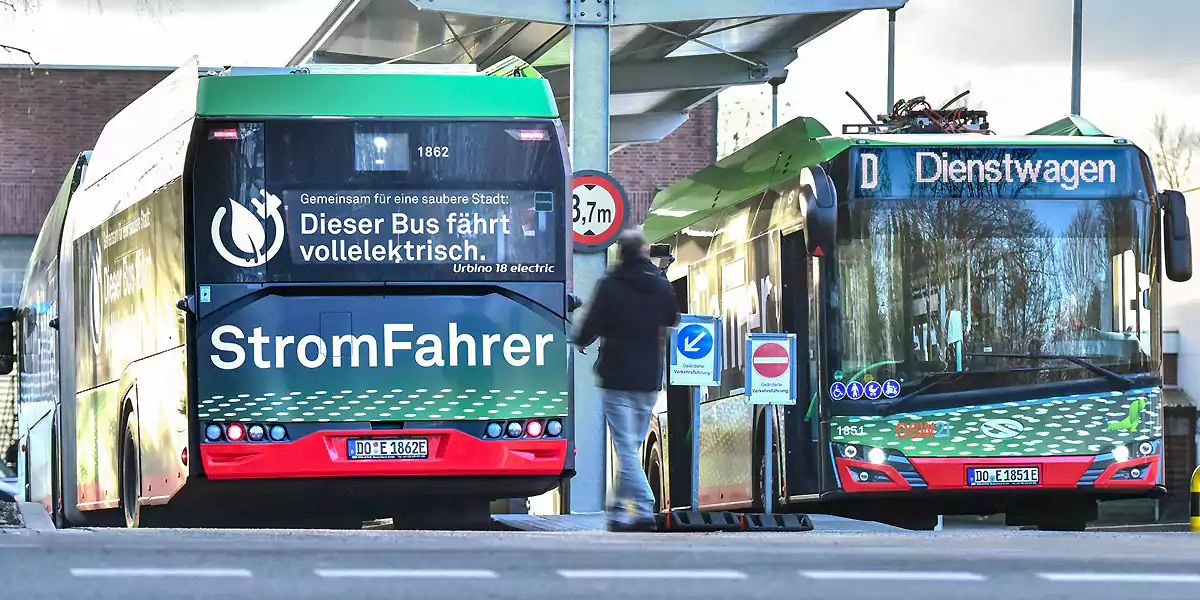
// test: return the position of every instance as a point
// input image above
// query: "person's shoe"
(644, 524)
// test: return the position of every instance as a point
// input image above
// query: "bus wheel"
(654, 476)
(134, 513)
(760, 476)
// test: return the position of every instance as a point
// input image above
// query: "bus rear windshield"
(379, 200)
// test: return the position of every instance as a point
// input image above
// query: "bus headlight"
(1145, 448)
(515, 429)
(877, 456)
(850, 452)
(1120, 453)
(256, 433)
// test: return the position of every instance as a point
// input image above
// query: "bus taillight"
(533, 429)
(235, 432)
(530, 135)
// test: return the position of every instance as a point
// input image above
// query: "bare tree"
(1175, 147)
(151, 8)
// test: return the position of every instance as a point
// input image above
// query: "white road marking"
(648, 574)
(409, 573)
(160, 572)
(896, 575)
(1122, 577)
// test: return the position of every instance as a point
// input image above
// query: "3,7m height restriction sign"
(599, 210)
(771, 373)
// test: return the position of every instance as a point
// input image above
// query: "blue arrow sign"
(696, 351)
(855, 389)
(694, 341)
(874, 389)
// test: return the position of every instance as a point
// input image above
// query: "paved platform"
(595, 522)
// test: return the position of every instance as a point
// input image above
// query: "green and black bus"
(268, 289)
(978, 323)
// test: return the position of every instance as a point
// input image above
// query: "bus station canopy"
(668, 56)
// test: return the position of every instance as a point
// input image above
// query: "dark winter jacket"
(628, 312)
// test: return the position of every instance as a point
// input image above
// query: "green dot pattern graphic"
(418, 404)
(1071, 425)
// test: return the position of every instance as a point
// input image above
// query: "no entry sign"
(771, 360)
(599, 210)
(771, 374)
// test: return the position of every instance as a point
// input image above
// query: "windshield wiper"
(886, 408)
(1078, 360)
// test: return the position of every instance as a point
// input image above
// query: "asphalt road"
(396, 564)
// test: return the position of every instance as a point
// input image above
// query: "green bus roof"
(375, 95)
(781, 154)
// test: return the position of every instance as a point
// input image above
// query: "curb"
(35, 516)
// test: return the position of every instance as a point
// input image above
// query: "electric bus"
(978, 323)
(302, 297)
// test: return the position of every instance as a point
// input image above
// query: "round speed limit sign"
(599, 210)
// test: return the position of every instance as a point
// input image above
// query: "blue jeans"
(628, 415)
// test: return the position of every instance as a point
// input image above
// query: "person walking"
(629, 311)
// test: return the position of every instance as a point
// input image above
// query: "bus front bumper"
(900, 473)
(325, 454)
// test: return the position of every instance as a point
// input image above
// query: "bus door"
(801, 423)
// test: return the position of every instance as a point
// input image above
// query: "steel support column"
(590, 61)
(1076, 55)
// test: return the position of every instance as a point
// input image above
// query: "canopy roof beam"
(642, 12)
(641, 128)
(683, 73)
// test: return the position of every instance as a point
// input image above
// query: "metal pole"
(1076, 56)
(769, 468)
(774, 104)
(589, 150)
(891, 77)
(697, 396)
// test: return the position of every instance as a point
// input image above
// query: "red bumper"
(323, 454)
(1057, 472)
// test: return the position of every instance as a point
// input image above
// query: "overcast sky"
(161, 32)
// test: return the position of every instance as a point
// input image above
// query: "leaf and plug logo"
(248, 231)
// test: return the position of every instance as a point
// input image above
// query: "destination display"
(996, 172)
(479, 231)
(393, 234)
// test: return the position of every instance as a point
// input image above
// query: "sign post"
(696, 361)
(599, 211)
(770, 380)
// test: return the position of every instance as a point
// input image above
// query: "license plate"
(1004, 476)
(383, 449)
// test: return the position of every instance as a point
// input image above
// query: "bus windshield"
(974, 288)
(379, 200)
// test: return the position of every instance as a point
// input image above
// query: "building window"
(1170, 370)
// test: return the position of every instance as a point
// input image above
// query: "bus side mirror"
(1177, 236)
(8, 316)
(819, 203)
(573, 303)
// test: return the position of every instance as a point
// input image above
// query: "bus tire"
(57, 498)
(760, 475)
(135, 514)
(654, 476)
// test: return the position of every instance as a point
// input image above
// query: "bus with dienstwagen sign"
(977, 319)
(303, 297)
